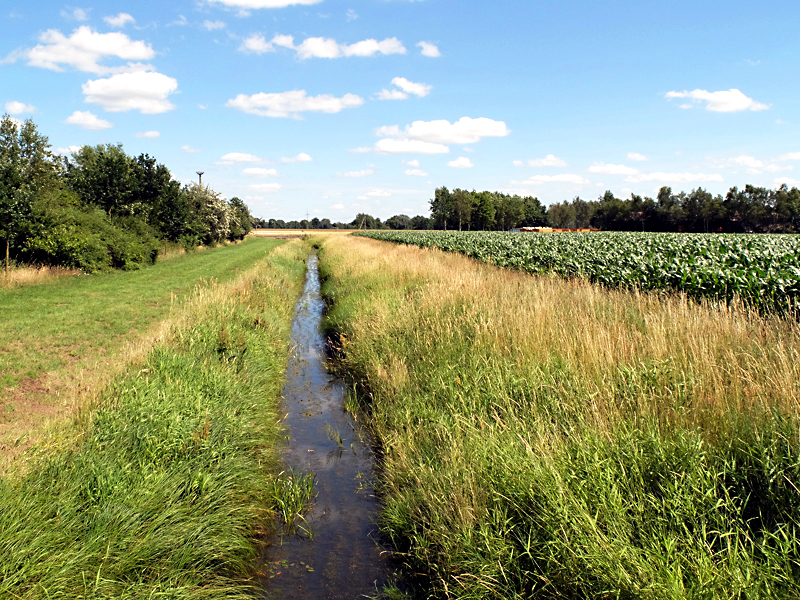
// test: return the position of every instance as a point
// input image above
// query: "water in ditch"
(342, 558)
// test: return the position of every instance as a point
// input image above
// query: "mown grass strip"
(162, 493)
(761, 269)
(550, 438)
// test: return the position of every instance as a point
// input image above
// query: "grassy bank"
(62, 338)
(162, 490)
(549, 438)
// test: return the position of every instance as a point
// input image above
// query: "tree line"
(101, 208)
(749, 210)
(464, 210)
(362, 221)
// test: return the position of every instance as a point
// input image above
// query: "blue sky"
(332, 108)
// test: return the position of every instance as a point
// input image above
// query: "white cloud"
(266, 187)
(417, 172)
(563, 178)
(255, 4)
(390, 146)
(212, 25)
(338, 206)
(351, 15)
(362, 173)
(180, 21)
(259, 172)
(360, 150)
(291, 104)
(612, 169)
(119, 20)
(143, 91)
(378, 193)
(148, 134)
(723, 101)
(461, 163)
(256, 44)
(547, 161)
(302, 157)
(318, 47)
(418, 89)
(187, 148)
(76, 14)
(392, 95)
(411, 163)
(673, 177)
(239, 157)
(791, 156)
(67, 150)
(781, 122)
(787, 181)
(754, 165)
(429, 49)
(464, 131)
(18, 108)
(87, 120)
(637, 156)
(85, 48)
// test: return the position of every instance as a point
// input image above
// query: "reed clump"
(161, 487)
(549, 438)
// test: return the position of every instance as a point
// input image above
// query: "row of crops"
(761, 269)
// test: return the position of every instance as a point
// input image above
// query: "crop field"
(763, 270)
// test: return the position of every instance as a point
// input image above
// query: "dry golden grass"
(657, 346)
(32, 275)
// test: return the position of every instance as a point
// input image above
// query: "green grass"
(49, 326)
(535, 441)
(162, 493)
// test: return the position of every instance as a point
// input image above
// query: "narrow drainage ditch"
(341, 558)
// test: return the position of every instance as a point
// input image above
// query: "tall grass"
(547, 438)
(161, 492)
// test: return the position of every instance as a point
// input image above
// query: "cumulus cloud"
(266, 187)
(411, 163)
(562, 178)
(637, 156)
(787, 181)
(148, 134)
(67, 150)
(302, 157)
(256, 4)
(75, 14)
(119, 21)
(673, 177)
(239, 157)
(351, 15)
(548, 161)
(461, 163)
(428, 49)
(612, 169)
(260, 172)
(85, 48)
(791, 156)
(19, 108)
(723, 101)
(391, 146)
(212, 25)
(406, 87)
(291, 104)
(362, 173)
(87, 120)
(318, 47)
(464, 131)
(416, 172)
(190, 150)
(146, 92)
(256, 44)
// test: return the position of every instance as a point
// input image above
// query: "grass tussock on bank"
(547, 438)
(162, 488)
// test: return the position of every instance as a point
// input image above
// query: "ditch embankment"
(549, 438)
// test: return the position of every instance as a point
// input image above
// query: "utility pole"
(200, 175)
